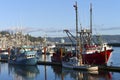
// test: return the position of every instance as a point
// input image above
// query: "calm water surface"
(41, 72)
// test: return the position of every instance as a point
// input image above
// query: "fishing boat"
(90, 52)
(24, 55)
(75, 63)
(97, 54)
(94, 50)
(57, 55)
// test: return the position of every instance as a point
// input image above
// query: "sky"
(51, 17)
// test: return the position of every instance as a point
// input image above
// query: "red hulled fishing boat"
(89, 48)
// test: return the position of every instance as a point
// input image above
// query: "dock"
(110, 68)
(105, 68)
(48, 63)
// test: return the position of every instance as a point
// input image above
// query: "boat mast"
(90, 34)
(91, 18)
(77, 39)
(76, 11)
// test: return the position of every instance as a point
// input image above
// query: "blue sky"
(51, 17)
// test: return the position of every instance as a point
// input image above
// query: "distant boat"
(60, 54)
(24, 55)
(4, 53)
(56, 57)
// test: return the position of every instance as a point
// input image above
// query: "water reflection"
(67, 74)
(23, 72)
(42, 72)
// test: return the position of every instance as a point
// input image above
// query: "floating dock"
(110, 68)
(48, 63)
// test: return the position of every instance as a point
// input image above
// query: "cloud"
(111, 28)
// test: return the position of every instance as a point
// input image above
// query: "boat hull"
(56, 59)
(30, 61)
(4, 56)
(67, 65)
(79, 67)
(97, 58)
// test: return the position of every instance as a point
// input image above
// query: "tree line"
(30, 37)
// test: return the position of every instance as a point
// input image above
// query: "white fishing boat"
(75, 63)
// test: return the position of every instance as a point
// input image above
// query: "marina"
(86, 56)
(80, 54)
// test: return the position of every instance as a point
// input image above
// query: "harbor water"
(48, 72)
